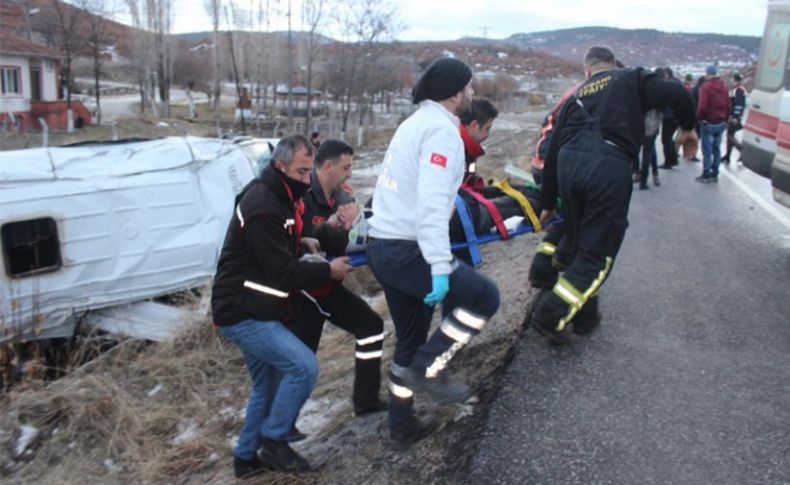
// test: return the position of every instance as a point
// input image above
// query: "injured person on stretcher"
(479, 211)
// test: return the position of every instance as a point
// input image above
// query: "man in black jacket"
(258, 276)
(737, 106)
(335, 302)
(598, 134)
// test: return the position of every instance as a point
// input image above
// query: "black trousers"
(348, 311)
(595, 186)
(405, 277)
(732, 128)
(668, 128)
(648, 158)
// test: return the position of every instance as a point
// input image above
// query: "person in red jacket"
(713, 112)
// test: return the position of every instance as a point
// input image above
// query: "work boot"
(588, 319)
(656, 180)
(411, 432)
(247, 468)
(375, 407)
(295, 435)
(545, 326)
(279, 456)
(442, 388)
(542, 274)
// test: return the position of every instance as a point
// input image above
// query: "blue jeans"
(711, 147)
(283, 372)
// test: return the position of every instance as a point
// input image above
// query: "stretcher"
(360, 258)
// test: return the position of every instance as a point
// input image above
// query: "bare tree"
(213, 8)
(235, 74)
(313, 15)
(140, 47)
(191, 70)
(159, 22)
(97, 14)
(67, 37)
(364, 24)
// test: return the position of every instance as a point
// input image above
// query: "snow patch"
(26, 436)
(111, 466)
(188, 431)
(155, 390)
(318, 413)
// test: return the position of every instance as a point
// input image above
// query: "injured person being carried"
(498, 208)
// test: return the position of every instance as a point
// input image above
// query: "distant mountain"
(643, 47)
(296, 36)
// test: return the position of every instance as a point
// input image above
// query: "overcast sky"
(451, 19)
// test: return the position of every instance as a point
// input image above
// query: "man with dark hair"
(258, 276)
(598, 134)
(315, 139)
(409, 250)
(329, 196)
(476, 123)
(737, 105)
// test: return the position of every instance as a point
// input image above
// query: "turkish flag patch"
(439, 159)
(317, 220)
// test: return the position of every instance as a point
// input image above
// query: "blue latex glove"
(440, 284)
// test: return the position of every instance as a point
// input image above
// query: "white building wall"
(16, 102)
(49, 80)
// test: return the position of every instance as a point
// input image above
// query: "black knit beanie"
(443, 79)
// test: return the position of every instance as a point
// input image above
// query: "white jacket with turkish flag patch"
(415, 192)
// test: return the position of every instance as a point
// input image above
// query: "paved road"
(688, 379)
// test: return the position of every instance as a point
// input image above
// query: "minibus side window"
(772, 65)
(30, 247)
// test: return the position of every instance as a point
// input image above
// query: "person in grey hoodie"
(409, 250)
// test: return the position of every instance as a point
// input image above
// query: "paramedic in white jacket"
(409, 249)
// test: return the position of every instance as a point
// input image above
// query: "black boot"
(544, 319)
(295, 435)
(442, 388)
(247, 468)
(548, 260)
(588, 319)
(279, 456)
(542, 274)
(367, 381)
(411, 431)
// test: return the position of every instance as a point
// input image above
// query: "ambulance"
(766, 135)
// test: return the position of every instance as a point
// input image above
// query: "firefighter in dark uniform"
(335, 302)
(597, 136)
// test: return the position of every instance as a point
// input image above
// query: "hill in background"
(643, 47)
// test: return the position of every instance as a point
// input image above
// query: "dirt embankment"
(168, 413)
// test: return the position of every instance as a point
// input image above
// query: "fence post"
(44, 132)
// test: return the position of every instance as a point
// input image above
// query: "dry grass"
(104, 411)
(107, 409)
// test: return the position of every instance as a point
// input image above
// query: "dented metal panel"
(134, 221)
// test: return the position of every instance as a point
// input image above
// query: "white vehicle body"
(99, 225)
(766, 136)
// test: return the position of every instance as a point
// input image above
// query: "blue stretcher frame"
(360, 258)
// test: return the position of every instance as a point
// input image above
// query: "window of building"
(30, 247)
(9, 78)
